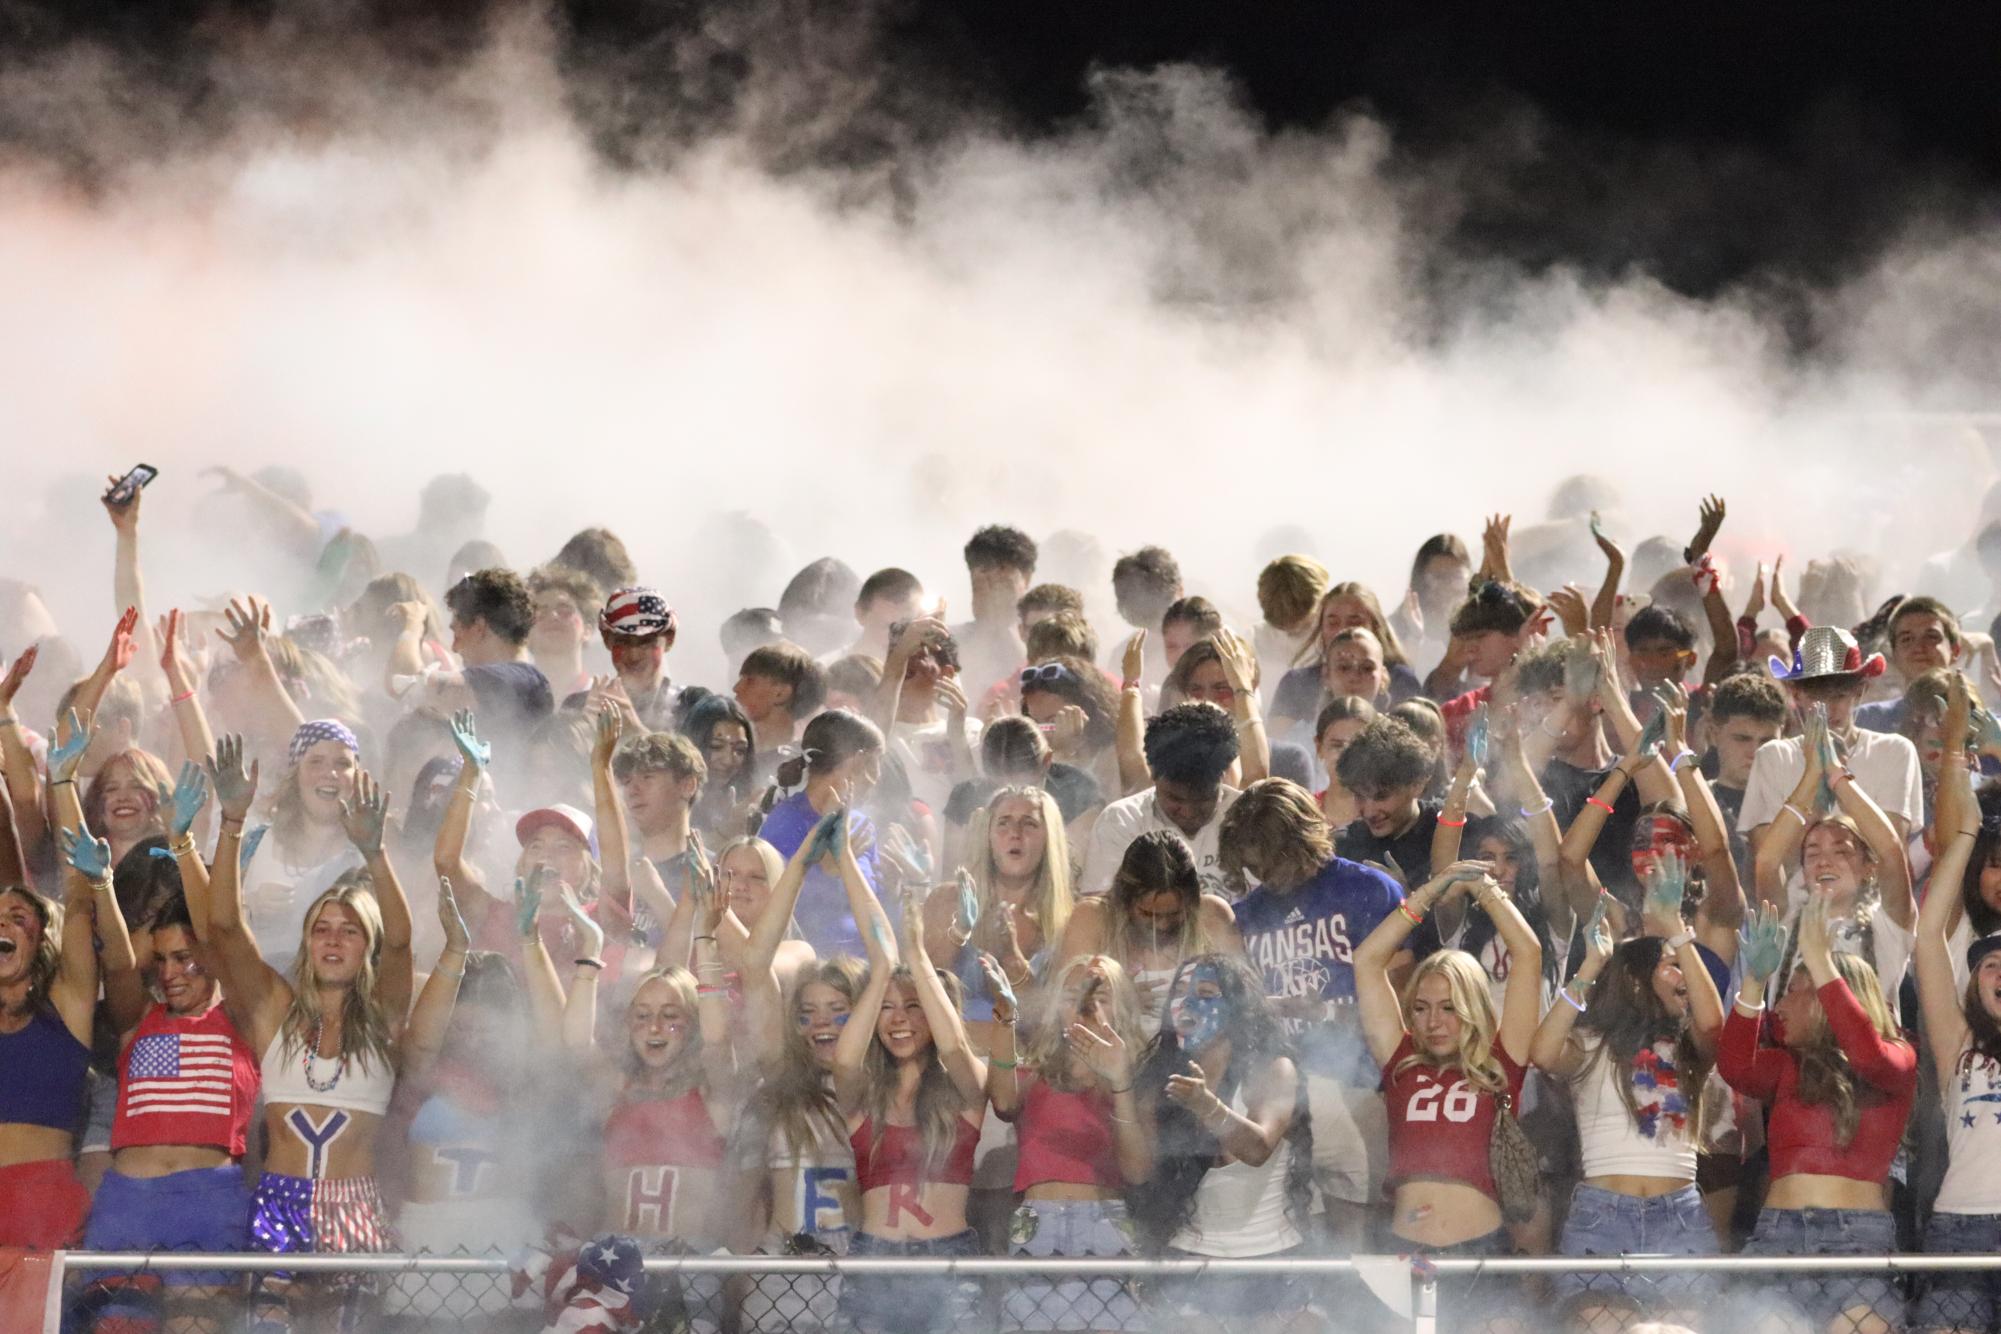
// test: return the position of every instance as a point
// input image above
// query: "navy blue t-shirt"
(1303, 942)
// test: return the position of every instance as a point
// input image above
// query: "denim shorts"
(1077, 1228)
(1604, 1222)
(1960, 1300)
(910, 1305)
(784, 1303)
(1822, 1297)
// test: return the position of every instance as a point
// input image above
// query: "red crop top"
(648, 1143)
(900, 1156)
(1801, 1135)
(1065, 1137)
(186, 1080)
(1441, 1123)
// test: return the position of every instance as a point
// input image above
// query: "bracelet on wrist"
(1129, 684)
(1600, 803)
(1460, 823)
(1564, 994)
(1416, 919)
(598, 964)
(1002, 1065)
(1787, 808)
(181, 698)
(1531, 812)
(1674, 765)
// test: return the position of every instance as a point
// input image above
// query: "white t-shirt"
(1973, 1139)
(1129, 817)
(1885, 764)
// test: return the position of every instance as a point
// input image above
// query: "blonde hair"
(1048, 1048)
(365, 1022)
(774, 861)
(1479, 1023)
(1289, 589)
(1825, 1075)
(1052, 896)
(148, 769)
(685, 1073)
(939, 1104)
(795, 1098)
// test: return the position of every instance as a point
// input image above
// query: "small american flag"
(170, 1073)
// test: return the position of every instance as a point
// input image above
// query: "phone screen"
(128, 486)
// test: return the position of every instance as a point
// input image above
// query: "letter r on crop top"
(899, 1159)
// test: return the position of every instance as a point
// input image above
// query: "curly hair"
(1192, 744)
(498, 597)
(999, 547)
(1384, 756)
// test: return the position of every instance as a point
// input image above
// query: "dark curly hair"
(1165, 1204)
(1493, 605)
(1191, 744)
(998, 546)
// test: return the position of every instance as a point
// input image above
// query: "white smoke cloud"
(1166, 325)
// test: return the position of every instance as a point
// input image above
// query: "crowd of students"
(1519, 921)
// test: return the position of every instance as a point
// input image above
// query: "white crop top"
(1973, 1139)
(356, 1085)
(1614, 1144)
(1240, 1209)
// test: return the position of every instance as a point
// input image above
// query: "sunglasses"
(1047, 674)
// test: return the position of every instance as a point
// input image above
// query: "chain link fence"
(408, 1294)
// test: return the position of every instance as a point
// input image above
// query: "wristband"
(1415, 918)
(704, 937)
(58, 782)
(184, 846)
(1677, 943)
(701, 991)
(1842, 776)
(1787, 808)
(1574, 1003)
(1601, 804)
(1002, 1065)
(1128, 684)
(10, 722)
(181, 698)
(1548, 805)
(591, 963)
(1115, 1092)
(1748, 1011)
(1674, 765)
(1460, 823)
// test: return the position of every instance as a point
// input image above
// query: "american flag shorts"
(331, 1215)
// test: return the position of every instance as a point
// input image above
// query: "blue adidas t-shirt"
(1303, 941)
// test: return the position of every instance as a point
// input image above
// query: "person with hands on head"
(187, 1080)
(48, 991)
(1232, 1172)
(333, 1031)
(914, 1095)
(1451, 1064)
(1852, 855)
(670, 1080)
(1839, 1081)
(1634, 1034)
(1083, 1141)
(1962, 1021)
(1155, 917)
(1072, 704)
(1299, 928)
(840, 762)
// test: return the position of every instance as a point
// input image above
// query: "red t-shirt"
(1801, 1135)
(1441, 1123)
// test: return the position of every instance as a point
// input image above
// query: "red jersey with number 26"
(1441, 1123)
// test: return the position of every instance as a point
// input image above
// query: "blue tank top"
(45, 1081)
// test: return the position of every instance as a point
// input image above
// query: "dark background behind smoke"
(1778, 145)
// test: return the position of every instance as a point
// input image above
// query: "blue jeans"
(1604, 1222)
(1964, 1300)
(1829, 1232)
(909, 1305)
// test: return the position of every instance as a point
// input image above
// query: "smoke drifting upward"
(773, 270)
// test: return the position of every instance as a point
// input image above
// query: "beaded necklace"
(313, 1053)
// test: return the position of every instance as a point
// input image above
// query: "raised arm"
(1521, 1001)
(257, 994)
(948, 1030)
(580, 1012)
(1449, 832)
(365, 817)
(1745, 1064)
(545, 989)
(286, 520)
(183, 697)
(425, 1037)
(1955, 826)
(1375, 995)
(1130, 735)
(1097, 1045)
(87, 874)
(712, 1008)
(73, 993)
(614, 842)
(24, 783)
(1605, 606)
(1661, 915)
(1722, 910)
(1772, 854)
(1555, 1048)
(1651, 775)
(1893, 868)
(117, 657)
(1889, 1064)
(448, 852)
(769, 929)
(1240, 667)
(1003, 1058)
(189, 799)
(248, 627)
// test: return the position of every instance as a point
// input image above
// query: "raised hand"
(65, 755)
(246, 625)
(1581, 671)
(998, 990)
(825, 840)
(1134, 658)
(17, 674)
(1712, 511)
(235, 787)
(1781, 604)
(124, 513)
(1597, 940)
(1569, 605)
(952, 695)
(365, 815)
(604, 742)
(457, 938)
(180, 679)
(906, 854)
(912, 920)
(1667, 886)
(1648, 743)
(119, 652)
(528, 900)
(190, 795)
(966, 913)
(1103, 1052)
(1476, 738)
(1764, 944)
(1816, 943)
(1611, 549)
(91, 856)
(1754, 606)
(477, 753)
(1067, 732)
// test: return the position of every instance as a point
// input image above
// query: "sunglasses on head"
(1046, 673)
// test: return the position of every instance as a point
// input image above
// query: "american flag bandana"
(178, 1073)
(586, 1287)
(638, 612)
(320, 729)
